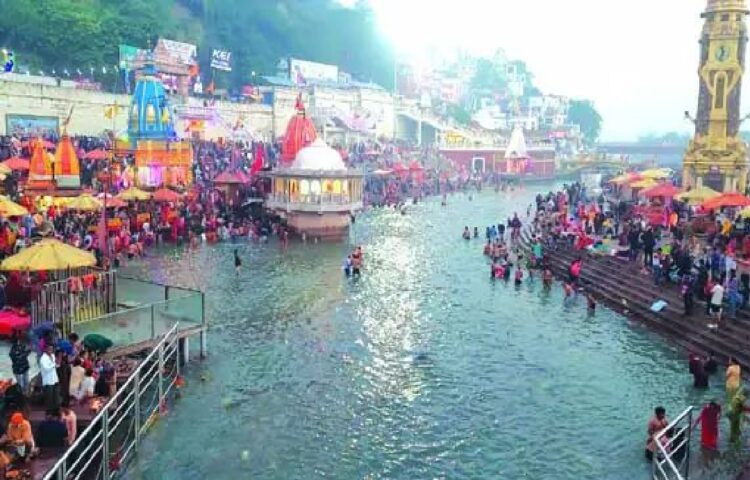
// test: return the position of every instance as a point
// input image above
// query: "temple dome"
(318, 156)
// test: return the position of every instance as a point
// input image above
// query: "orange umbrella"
(17, 163)
(166, 195)
(729, 199)
(112, 201)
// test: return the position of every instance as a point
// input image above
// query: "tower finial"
(725, 5)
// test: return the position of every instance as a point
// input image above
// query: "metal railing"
(114, 435)
(81, 296)
(672, 456)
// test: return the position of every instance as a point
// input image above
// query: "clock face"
(722, 53)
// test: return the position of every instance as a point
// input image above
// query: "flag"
(111, 111)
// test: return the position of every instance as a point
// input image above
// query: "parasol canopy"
(625, 178)
(84, 202)
(9, 208)
(745, 212)
(645, 183)
(17, 163)
(729, 199)
(112, 202)
(49, 254)
(697, 195)
(133, 194)
(414, 166)
(666, 190)
(227, 178)
(98, 154)
(381, 171)
(656, 173)
(166, 195)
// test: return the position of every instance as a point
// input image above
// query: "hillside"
(80, 35)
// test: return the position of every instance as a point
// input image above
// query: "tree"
(583, 113)
(488, 76)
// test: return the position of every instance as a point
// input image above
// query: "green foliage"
(80, 33)
(84, 33)
(583, 113)
(459, 114)
(488, 76)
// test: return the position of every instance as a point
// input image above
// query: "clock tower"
(717, 156)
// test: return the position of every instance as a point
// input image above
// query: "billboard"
(302, 72)
(24, 126)
(128, 56)
(185, 53)
(221, 60)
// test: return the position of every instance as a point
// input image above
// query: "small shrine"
(517, 159)
(58, 174)
(317, 194)
(161, 158)
(300, 132)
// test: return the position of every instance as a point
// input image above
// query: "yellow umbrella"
(134, 193)
(49, 254)
(4, 170)
(85, 202)
(745, 212)
(697, 195)
(645, 183)
(621, 178)
(656, 173)
(9, 208)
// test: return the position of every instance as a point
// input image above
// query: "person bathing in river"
(348, 266)
(467, 234)
(476, 232)
(357, 260)
(488, 248)
(547, 278)
(237, 262)
(519, 274)
(656, 424)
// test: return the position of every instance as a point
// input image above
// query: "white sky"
(636, 59)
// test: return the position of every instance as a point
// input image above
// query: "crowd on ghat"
(670, 253)
(72, 372)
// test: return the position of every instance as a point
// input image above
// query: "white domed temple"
(317, 193)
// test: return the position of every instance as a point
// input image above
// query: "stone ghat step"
(632, 283)
(689, 332)
(640, 294)
(699, 336)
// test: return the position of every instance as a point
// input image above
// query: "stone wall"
(22, 98)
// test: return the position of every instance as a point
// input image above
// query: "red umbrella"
(730, 199)
(226, 178)
(17, 163)
(666, 190)
(166, 195)
(97, 154)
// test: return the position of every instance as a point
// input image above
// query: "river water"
(421, 369)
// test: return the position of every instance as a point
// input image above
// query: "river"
(423, 368)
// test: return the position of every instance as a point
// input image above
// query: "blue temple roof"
(150, 116)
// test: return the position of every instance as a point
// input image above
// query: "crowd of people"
(72, 371)
(670, 253)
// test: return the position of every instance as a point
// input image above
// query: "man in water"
(237, 262)
(656, 424)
